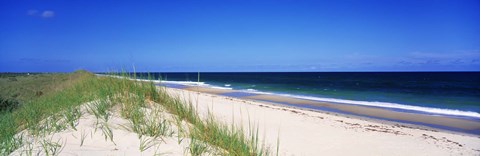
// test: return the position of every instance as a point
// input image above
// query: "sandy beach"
(305, 132)
(445, 123)
(295, 131)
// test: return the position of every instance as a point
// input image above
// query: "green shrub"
(8, 104)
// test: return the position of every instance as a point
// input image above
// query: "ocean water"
(450, 93)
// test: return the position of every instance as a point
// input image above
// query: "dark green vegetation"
(8, 104)
(22, 87)
(57, 107)
(19, 88)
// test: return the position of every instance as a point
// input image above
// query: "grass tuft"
(146, 143)
(197, 147)
(71, 116)
(51, 148)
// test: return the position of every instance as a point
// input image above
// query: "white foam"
(191, 83)
(391, 105)
(257, 92)
(216, 87)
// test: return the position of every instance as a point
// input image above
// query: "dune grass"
(35, 108)
(59, 110)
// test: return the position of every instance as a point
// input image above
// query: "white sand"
(304, 132)
(125, 141)
(301, 132)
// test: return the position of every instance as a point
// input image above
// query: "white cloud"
(42, 14)
(48, 14)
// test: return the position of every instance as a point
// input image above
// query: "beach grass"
(59, 109)
(56, 95)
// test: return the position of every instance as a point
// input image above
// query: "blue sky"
(240, 35)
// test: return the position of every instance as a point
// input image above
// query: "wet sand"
(457, 123)
(208, 90)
